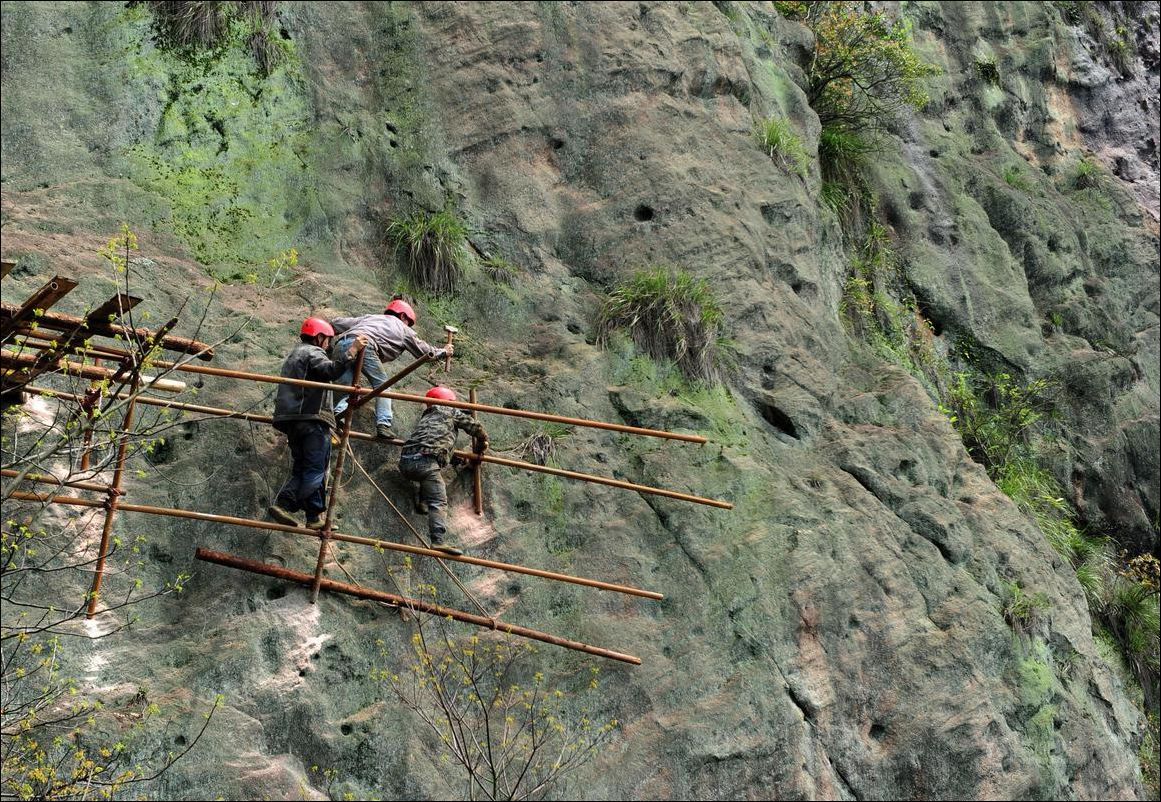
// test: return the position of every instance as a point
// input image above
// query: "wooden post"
(114, 495)
(336, 478)
(477, 470)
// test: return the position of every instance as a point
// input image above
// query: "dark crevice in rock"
(777, 418)
(808, 710)
(664, 520)
(871, 485)
(842, 776)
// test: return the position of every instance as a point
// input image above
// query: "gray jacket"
(390, 336)
(297, 403)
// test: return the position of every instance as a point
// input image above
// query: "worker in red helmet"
(305, 416)
(428, 450)
(391, 333)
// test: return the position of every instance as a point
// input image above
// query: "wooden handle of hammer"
(447, 358)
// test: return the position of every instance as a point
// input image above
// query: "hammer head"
(451, 329)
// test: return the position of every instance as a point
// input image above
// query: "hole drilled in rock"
(643, 213)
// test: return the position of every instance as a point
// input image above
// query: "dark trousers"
(426, 471)
(310, 451)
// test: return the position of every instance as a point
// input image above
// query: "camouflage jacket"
(435, 434)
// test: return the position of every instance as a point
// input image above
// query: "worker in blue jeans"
(389, 335)
(304, 415)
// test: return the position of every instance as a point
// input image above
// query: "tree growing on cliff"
(863, 72)
(513, 735)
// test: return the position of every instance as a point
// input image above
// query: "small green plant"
(1121, 51)
(792, 9)
(778, 139)
(1149, 754)
(1016, 178)
(432, 248)
(1087, 175)
(500, 269)
(669, 315)
(987, 71)
(842, 157)
(1022, 611)
(995, 414)
(194, 26)
(1131, 612)
(541, 446)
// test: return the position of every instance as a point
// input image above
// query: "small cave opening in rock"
(643, 213)
(778, 419)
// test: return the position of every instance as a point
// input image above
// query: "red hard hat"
(442, 393)
(403, 309)
(316, 325)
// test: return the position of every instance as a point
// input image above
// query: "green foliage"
(987, 71)
(1087, 175)
(500, 269)
(777, 137)
(998, 418)
(1149, 755)
(792, 9)
(1017, 178)
(193, 26)
(864, 71)
(842, 157)
(432, 248)
(669, 315)
(1131, 612)
(897, 330)
(513, 733)
(1022, 611)
(995, 414)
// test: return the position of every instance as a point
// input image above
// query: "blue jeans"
(373, 370)
(310, 451)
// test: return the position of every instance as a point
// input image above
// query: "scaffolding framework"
(30, 353)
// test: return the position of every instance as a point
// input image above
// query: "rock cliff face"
(839, 633)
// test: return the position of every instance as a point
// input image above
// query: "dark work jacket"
(296, 403)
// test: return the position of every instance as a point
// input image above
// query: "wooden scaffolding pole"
(336, 480)
(419, 399)
(467, 455)
(389, 545)
(413, 604)
(113, 497)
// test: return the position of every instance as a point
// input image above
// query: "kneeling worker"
(428, 450)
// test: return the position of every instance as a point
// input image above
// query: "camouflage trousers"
(432, 490)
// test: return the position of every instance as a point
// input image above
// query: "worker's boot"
(281, 515)
(384, 432)
(438, 543)
(420, 505)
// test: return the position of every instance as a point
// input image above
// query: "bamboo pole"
(468, 455)
(52, 480)
(356, 403)
(366, 541)
(15, 362)
(60, 322)
(336, 479)
(254, 566)
(477, 470)
(114, 495)
(419, 399)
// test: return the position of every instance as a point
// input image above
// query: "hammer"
(452, 331)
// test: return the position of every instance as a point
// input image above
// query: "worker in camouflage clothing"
(428, 450)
